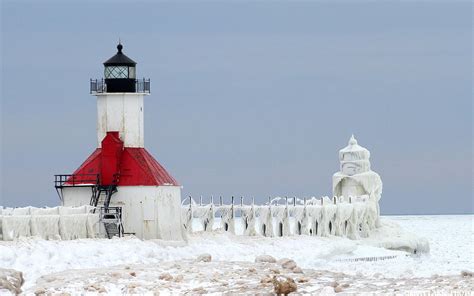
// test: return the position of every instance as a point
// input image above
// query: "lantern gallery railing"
(353, 217)
(99, 86)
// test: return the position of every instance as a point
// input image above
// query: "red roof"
(136, 167)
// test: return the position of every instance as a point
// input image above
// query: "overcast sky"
(249, 98)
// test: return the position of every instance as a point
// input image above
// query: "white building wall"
(151, 212)
(76, 196)
(122, 112)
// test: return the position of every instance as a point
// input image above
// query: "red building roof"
(128, 166)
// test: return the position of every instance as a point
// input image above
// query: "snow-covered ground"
(451, 251)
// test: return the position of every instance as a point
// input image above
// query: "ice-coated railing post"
(220, 200)
(294, 201)
(210, 215)
(232, 215)
(189, 216)
(286, 220)
(241, 201)
(334, 199)
(200, 200)
(251, 220)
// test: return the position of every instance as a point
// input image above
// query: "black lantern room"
(120, 73)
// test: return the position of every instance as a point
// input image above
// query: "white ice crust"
(64, 223)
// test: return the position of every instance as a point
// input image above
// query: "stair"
(113, 229)
(111, 217)
(102, 195)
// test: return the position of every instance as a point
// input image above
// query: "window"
(116, 72)
(131, 72)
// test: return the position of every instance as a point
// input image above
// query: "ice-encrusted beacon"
(133, 192)
(356, 179)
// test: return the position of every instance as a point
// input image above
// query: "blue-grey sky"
(249, 98)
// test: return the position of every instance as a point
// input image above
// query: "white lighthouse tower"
(120, 177)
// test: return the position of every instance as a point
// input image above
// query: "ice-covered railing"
(64, 223)
(352, 217)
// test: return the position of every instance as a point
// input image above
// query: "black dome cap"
(120, 59)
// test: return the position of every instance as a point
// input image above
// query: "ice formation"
(357, 179)
(73, 226)
(49, 223)
(15, 226)
(353, 212)
(317, 217)
(45, 226)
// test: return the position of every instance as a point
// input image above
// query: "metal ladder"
(111, 217)
(108, 190)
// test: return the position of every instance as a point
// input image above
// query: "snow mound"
(391, 236)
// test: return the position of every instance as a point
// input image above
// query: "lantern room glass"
(117, 72)
(131, 72)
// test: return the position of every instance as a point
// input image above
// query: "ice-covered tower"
(120, 173)
(355, 177)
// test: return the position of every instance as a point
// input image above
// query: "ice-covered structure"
(315, 216)
(132, 191)
(355, 178)
(64, 223)
(353, 211)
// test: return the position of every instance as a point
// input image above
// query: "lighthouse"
(121, 179)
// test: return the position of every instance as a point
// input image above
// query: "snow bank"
(391, 236)
(451, 251)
